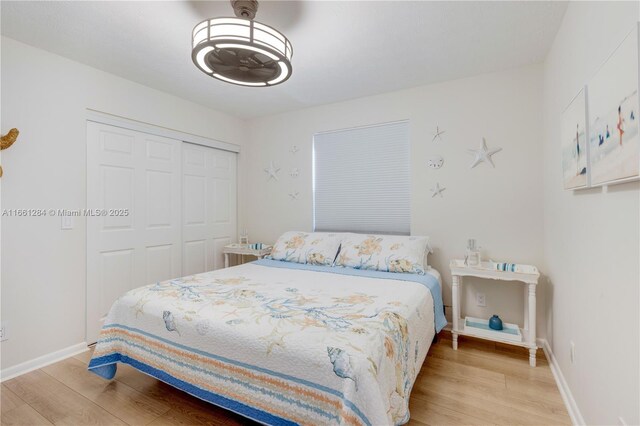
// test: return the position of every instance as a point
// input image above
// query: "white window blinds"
(361, 179)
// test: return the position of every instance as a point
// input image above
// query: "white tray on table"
(480, 328)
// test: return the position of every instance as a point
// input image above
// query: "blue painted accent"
(427, 280)
(102, 361)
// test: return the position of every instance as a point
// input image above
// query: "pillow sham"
(389, 253)
(315, 248)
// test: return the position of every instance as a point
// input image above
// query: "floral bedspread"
(278, 345)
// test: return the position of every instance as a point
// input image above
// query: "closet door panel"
(195, 253)
(209, 206)
(221, 199)
(117, 275)
(194, 209)
(162, 193)
(181, 204)
(195, 201)
(159, 204)
(135, 177)
(159, 262)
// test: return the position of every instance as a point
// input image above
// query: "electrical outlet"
(67, 223)
(572, 352)
(481, 299)
(4, 331)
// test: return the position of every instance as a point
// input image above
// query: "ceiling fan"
(240, 50)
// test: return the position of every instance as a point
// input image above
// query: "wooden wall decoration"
(7, 140)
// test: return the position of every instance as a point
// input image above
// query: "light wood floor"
(481, 383)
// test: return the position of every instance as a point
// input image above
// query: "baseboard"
(563, 387)
(41, 361)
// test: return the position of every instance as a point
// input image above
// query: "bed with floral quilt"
(280, 342)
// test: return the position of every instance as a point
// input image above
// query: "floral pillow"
(389, 253)
(316, 248)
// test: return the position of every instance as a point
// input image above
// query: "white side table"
(530, 279)
(244, 250)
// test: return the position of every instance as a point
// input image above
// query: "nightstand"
(244, 250)
(462, 326)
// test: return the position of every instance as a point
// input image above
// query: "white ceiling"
(342, 49)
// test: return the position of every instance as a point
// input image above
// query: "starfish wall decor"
(438, 134)
(483, 154)
(272, 171)
(437, 190)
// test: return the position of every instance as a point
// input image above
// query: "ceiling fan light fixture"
(240, 50)
(200, 59)
(283, 75)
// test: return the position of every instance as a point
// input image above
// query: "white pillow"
(390, 253)
(316, 248)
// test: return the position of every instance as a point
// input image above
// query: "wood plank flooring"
(481, 383)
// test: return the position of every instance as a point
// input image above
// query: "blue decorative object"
(495, 323)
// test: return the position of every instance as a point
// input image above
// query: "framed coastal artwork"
(614, 137)
(575, 159)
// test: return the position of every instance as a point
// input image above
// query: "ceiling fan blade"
(224, 67)
(227, 57)
(243, 76)
(261, 60)
(261, 72)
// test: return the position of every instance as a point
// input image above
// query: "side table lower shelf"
(462, 332)
(523, 344)
(460, 270)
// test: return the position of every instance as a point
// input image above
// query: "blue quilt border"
(106, 366)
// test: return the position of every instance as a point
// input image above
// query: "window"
(361, 180)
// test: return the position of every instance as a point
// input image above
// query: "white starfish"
(438, 134)
(294, 172)
(437, 190)
(272, 171)
(294, 195)
(483, 154)
(294, 149)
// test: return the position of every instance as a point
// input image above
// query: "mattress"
(281, 343)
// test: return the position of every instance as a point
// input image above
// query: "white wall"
(586, 242)
(43, 268)
(501, 207)
(591, 236)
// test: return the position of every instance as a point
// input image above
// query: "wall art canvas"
(614, 139)
(574, 143)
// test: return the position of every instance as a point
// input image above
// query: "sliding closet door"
(136, 178)
(209, 206)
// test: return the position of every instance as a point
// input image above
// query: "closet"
(160, 208)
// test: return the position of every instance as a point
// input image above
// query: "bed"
(281, 342)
